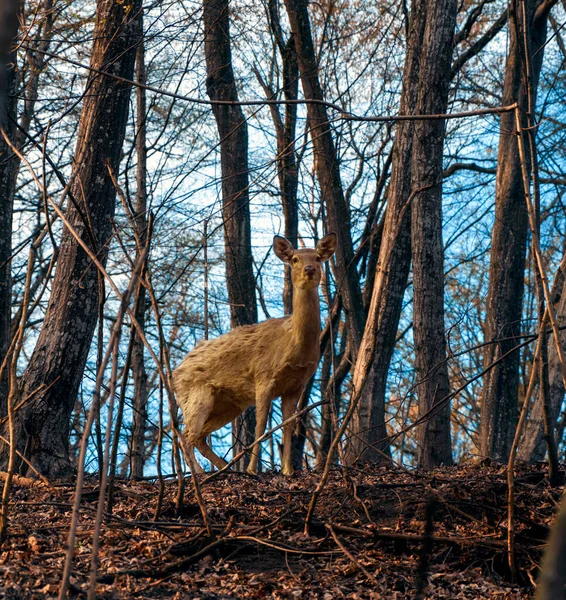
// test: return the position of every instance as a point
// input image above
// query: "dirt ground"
(369, 537)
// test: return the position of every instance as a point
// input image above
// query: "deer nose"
(310, 270)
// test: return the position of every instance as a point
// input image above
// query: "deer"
(255, 364)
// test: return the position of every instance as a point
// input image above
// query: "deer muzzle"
(309, 270)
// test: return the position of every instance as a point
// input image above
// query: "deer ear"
(327, 246)
(283, 248)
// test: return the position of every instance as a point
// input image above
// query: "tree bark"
(499, 405)
(285, 130)
(61, 351)
(36, 65)
(139, 402)
(233, 132)
(8, 171)
(552, 580)
(368, 434)
(9, 162)
(331, 387)
(533, 447)
(327, 168)
(433, 435)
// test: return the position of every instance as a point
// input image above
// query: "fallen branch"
(419, 539)
(350, 555)
(18, 479)
(181, 565)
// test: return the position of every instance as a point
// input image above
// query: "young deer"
(255, 364)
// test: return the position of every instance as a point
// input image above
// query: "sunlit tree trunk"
(368, 435)
(499, 410)
(233, 133)
(56, 367)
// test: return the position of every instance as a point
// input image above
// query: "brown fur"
(255, 364)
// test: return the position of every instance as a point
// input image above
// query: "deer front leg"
(262, 406)
(288, 406)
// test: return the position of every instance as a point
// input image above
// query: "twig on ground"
(350, 555)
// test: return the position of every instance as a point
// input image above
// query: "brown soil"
(367, 540)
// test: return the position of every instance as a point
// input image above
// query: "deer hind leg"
(196, 406)
(261, 413)
(209, 453)
(288, 406)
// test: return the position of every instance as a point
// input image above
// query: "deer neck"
(306, 319)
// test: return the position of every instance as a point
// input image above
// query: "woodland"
(150, 150)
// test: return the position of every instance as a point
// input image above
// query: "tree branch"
(479, 44)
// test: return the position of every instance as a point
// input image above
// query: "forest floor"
(368, 538)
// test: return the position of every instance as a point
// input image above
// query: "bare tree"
(433, 435)
(499, 408)
(139, 403)
(368, 440)
(233, 133)
(56, 367)
(9, 11)
(285, 130)
(532, 444)
(327, 167)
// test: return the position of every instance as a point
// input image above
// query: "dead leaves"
(264, 553)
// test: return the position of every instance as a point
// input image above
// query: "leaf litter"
(367, 539)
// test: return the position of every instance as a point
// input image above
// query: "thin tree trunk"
(8, 171)
(287, 172)
(327, 170)
(139, 403)
(433, 435)
(533, 447)
(331, 411)
(285, 129)
(233, 133)
(499, 410)
(368, 434)
(326, 425)
(60, 354)
(9, 162)
(36, 65)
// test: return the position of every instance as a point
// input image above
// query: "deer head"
(305, 263)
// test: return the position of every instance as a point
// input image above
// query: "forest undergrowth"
(378, 533)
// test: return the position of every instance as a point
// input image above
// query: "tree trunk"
(61, 352)
(139, 402)
(233, 133)
(285, 130)
(499, 406)
(8, 171)
(331, 387)
(552, 580)
(327, 170)
(10, 163)
(368, 436)
(36, 65)
(533, 447)
(433, 435)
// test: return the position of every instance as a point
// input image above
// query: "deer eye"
(295, 260)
